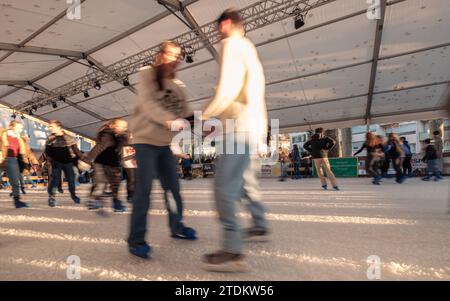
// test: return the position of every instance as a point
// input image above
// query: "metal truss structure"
(255, 16)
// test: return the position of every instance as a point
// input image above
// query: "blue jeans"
(297, 174)
(155, 161)
(236, 181)
(283, 167)
(433, 169)
(55, 177)
(14, 176)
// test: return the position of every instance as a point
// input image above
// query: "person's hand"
(36, 168)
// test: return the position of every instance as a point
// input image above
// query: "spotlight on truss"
(299, 18)
(97, 85)
(189, 54)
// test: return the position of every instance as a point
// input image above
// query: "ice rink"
(316, 234)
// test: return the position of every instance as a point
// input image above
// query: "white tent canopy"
(340, 69)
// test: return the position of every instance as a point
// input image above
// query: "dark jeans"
(131, 181)
(433, 169)
(373, 165)
(385, 165)
(155, 161)
(396, 162)
(22, 182)
(297, 174)
(104, 175)
(14, 176)
(187, 172)
(55, 178)
(407, 167)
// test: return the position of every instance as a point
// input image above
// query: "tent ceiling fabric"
(337, 35)
(71, 117)
(99, 22)
(22, 66)
(20, 19)
(59, 78)
(415, 99)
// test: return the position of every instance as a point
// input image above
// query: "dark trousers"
(155, 161)
(187, 172)
(385, 165)
(433, 169)
(308, 169)
(297, 174)
(104, 175)
(396, 162)
(131, 181)
(373, 165)
(13, 171)
(407, 167)
(55, 178)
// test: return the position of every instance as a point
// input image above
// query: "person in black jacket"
(395, 153)
(375, 156)
(318, 147)
(431, 158)
(106, 155)
(407, 166)
(62, 153)
(296, 159)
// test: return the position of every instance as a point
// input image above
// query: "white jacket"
(240, 93)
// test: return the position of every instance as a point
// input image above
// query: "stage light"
(54, 105)
(13, 116)
(189, 59)
(125, 82)
(86, 94)
(299, 19)
(62, 98)
(189, 54)
(97, 85)
(23, 117)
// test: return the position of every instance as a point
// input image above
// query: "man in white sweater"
(239, 102)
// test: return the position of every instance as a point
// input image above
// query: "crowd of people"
(395, 150)
(143, 151)
(382, 153)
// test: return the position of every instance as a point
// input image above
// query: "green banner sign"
(342, 167)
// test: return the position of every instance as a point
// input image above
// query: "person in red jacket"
(16, 155)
